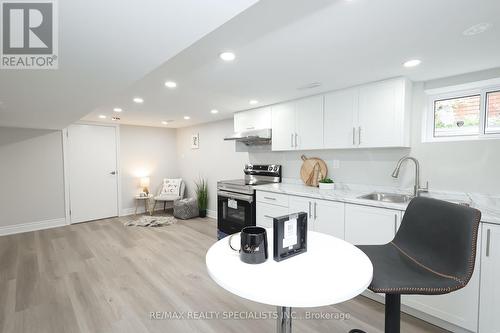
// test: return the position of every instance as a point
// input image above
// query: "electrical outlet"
(336, 164)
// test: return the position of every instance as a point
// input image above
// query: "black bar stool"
(433, 253)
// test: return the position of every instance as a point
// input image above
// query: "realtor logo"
(29, 34)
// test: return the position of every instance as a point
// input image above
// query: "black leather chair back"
(441, 236)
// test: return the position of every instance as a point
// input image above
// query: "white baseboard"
(32, 226)
(212, 213)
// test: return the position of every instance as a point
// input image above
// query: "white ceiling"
(280, 45)
(105, 46)
(284, 44)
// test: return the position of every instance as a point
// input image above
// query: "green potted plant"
(326, 184)
(202, 196)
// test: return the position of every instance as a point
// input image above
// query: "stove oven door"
(234, 211)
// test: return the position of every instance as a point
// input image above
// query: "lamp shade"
(145, 182)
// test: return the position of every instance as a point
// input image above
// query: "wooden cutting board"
(312, 170)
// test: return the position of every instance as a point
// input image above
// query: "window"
(493, 112)
(466, 112)
(457, 116)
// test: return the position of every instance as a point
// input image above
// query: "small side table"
(146, 203)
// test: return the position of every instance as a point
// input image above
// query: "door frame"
(66, 171)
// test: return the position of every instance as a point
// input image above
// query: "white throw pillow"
(171, 187)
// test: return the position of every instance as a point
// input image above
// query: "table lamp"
(145, 184)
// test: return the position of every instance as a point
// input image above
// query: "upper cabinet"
(341, 118)
(252, 120)
(298, 125)
(369, 116)
(384, 114)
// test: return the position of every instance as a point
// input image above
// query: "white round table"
(330, 272)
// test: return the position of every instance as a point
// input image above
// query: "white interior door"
(92, 168)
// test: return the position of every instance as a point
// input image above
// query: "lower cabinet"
(267, 212)
(323, 216)
(370, 225)
(489, 318)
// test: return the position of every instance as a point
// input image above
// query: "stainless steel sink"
(387, 197)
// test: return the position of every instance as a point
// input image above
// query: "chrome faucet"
(416, 188)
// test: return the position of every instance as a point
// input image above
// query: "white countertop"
(489, 205)
(330, 264)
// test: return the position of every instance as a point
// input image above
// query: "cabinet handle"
(359, 135)
(395, 224)
(269, 217)
(310, 215)
(250, 128)
(296, 144)
(315, 213)
(291, 142)
(354, 136)
(269, 198)
(488, 239)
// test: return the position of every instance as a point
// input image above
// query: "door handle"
(310, 215)
(296, 144)
(488, 239)
(113, 173)
(354, 136)
(359, 135)
(315, 215)
(291, 142)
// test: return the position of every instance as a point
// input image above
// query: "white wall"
(145, 151)
(31, 176)
(215, 160)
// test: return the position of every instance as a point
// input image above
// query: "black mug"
(253, 248)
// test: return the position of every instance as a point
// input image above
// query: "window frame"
(428, 133)
(489, 91)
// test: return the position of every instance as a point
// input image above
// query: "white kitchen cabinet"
(370, 225)
(252, 119)
(309, 123)
(341, 119)
(267, 212)
(322, 215)
(383, 114)
(302, 204)
(298, 125)
(489, 318)
(329, 218)
(283, 126)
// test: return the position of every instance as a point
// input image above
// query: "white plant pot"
(326, 186)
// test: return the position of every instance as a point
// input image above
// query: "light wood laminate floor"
(103, 277)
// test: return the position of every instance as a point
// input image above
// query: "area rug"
(152, 221)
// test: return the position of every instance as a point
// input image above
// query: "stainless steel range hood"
(250, 138)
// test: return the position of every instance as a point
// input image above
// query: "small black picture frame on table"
(289, 235)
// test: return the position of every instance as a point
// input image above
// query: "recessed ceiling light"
(102, 116)
(477, 29)
(214, 111)
(253, 102)
(118, 109)
(138, 100)
(412, 63)
(170, 84)
(227, 56)
(187, 117)
(164, 122)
